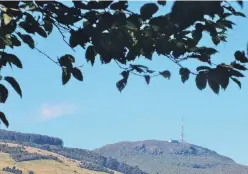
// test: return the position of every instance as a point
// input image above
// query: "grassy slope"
(44, 166)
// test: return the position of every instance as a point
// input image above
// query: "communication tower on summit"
(182, 131)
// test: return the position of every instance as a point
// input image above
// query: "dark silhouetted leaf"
(3, 93)
(13, 59)
(165, 74)
(14, 84)
(201, 81)
(66, 75)
(236, 81)
(214, 86)
(125, 74)
(134, 20)
(209, 51)
(227, 23)
(79, 4)
(199, 68)
(224, 81)
(4, 119)
(216, 40)
(238, 66)
(220, 75)
(8, 42)
(162, 2)
(66, 61)
(239, 14)
(119, 18)
(222, 38)
(77, 74)
(150, 71)
(235, 73)
(48, 26)
(138, 68)
(70, 57)
(147, 10)
(240, 2)
(121, 84)
(211, 28)
(27, 39)
(147, 78)
(74, 39)
(15, 41)
(27, 27)
(196, 35)
(230, 8)
(226, 15)
(90, 54)
(41, 32)
(121, 5)
(240, 56)
(184, 72)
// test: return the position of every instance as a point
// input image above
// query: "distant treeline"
(12, 170)
(20, 154)
(30, 138)
(15, 170)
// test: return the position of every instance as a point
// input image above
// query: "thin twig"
(130, 12)
(173, 60)
(47, 56)
(120, 65)
(155, 75)
(170, 57)
(136, 74)
(41, 51)
(81, 66)
(141, 75)
(184, 58)
(63, 36)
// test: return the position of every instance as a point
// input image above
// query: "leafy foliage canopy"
(110, 31)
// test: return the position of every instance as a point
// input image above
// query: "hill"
(165, 157)
(12, 161)
(21, 153)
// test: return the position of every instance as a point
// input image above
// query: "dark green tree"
(110, 31)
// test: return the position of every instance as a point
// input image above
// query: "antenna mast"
(182, 131)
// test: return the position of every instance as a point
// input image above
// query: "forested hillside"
(88, 159)
(30, 138)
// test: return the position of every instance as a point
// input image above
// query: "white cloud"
(51, 111)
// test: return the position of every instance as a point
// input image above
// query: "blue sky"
(94, 113)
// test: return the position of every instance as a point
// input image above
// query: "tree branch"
(120, 65)
(141, 75)
(170, 57)
(57, 63)
(63, 36)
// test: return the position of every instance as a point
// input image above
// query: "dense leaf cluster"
(111, 32)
